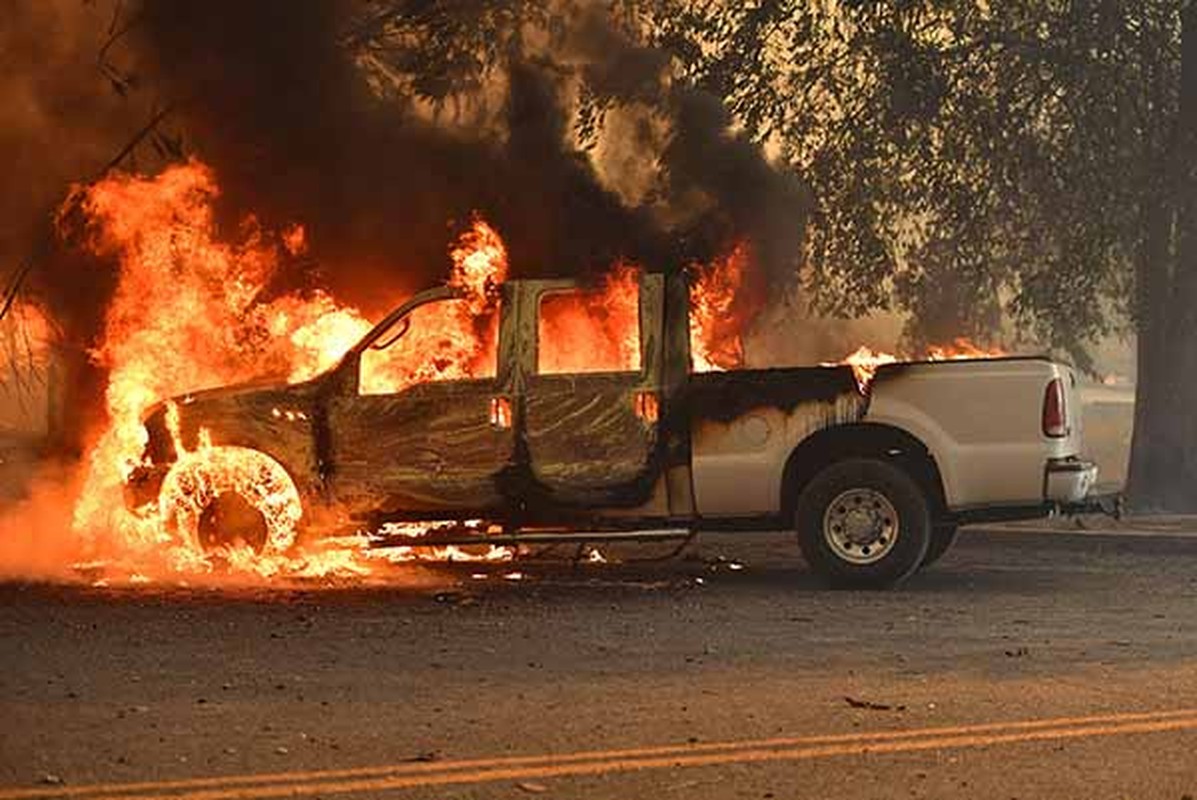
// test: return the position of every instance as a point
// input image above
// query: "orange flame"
(445, 341)
(715, 328)
(479, 265)
(961, 348)
(187, 314)
(865, 361)
(452, 340)
(595, 331)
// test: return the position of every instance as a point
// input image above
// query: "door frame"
(343, 382)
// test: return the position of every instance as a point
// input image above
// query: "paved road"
(1025, 665)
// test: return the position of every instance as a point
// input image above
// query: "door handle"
(500, 413)
(647, 406)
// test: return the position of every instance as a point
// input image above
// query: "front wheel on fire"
(230, 503)
(863, 523)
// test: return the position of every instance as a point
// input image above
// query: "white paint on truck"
(982, 422)
(737, 465)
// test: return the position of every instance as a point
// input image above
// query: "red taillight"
(1055, 414)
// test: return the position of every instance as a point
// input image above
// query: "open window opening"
(595, 330)
(441, 341)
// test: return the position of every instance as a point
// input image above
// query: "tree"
(971, 161)
(1163, 469)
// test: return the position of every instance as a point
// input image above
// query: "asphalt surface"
(1026, 664)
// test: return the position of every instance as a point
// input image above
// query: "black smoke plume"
(272, 98)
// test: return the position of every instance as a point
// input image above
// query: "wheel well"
(861, 440)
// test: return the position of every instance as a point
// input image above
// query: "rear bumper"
(1068, 480)
(1067, 483)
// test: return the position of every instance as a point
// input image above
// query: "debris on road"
(871, 706)
(455, 598)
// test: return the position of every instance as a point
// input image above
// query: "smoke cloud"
(301, 124)
(274, 100)
(60, 122)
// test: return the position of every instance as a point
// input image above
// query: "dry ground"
(401, 689)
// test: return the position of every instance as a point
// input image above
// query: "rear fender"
(862, 440)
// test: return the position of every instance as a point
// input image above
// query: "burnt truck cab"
(875, 480)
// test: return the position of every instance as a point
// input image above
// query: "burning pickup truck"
(874, 476)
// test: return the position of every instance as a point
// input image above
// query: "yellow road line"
(714, 759)
(412, 775)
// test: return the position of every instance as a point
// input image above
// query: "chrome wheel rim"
(861, 526)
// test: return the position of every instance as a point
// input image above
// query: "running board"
(506, 539)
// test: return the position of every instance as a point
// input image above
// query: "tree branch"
(137, 139)
(14, 288)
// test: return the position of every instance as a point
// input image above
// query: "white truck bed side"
(982, 422)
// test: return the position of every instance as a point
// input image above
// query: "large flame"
(715, 327)
(188, 314)
(596, 331)
(451, 340)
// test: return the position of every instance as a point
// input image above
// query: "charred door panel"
(591, 439)
(432, 447)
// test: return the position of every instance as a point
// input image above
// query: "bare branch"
(14, 288)
(149, 128)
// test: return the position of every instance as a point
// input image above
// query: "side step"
(454, 536)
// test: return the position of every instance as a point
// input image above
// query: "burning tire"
(226, 498)
(863, 523)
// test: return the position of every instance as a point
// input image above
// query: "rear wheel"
(943, 536)
(863, 523)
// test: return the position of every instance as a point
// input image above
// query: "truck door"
(592, 404)
(411, 435)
